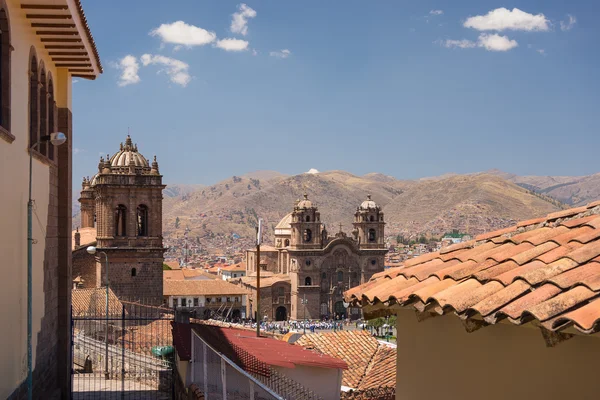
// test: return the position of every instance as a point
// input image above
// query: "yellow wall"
(325, 382)
(437, 358)
(14, 159)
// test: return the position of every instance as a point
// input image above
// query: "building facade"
(321, 266)
(123, 203)
(36, 101)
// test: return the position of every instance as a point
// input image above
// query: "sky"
(405, 88)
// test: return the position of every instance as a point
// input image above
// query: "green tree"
(166, 267)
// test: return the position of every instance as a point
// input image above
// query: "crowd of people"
(284, 327)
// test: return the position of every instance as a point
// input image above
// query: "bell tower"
(369, 225)
(306, 226)
(127, 191)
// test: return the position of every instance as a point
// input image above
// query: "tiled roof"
(546, 269)
(92, 302)
(382, 393)
(265, 281)
(213, 287)
(235, 267)
(370, 364)
(174, 265)
(185, 274)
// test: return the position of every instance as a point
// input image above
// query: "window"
(133, 272)
(51, 121)
(371, 218)
(142, 220)
(182, 302)
(324, 275)
(308, 218)
(236, 299)
(195, 302)
(33, 102)
(354, 275)
(43, 129)
(235, 275)
(287, 242)
(340, 276)
(4, 71)
(208, 299)
(307, 262)
(373, 261)
(307, 281)
(307, 235)
(121, 220)
(372, 235)
(218, 300)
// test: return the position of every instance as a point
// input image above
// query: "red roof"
(248, 351)
(546, 269)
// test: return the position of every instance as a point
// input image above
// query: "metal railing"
(220, 378)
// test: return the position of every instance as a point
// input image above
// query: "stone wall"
(84, 266)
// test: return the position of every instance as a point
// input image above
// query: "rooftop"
(370, 363)
(92, 302)
(545, 270)
(87, 236)
(212, 287)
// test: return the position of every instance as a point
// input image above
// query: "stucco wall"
(14, 159)
(325, 382)
(437, 358)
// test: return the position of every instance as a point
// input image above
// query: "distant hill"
(175, 190)
(473, 203)
(571, 190)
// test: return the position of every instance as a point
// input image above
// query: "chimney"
(77, 238)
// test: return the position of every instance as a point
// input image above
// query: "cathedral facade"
(320, 266)
(121, 207)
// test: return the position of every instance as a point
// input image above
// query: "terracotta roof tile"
(545, 271)
(593, 204)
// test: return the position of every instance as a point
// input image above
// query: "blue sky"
(406, 88)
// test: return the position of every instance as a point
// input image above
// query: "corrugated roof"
(543, 269)
(244, 348)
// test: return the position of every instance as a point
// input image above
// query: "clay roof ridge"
(369, 366)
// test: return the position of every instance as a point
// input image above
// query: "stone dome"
(305, 203)
(126, 154)
(368, 204)
(285, 223)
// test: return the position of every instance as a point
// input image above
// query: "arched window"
(324, 275)
(340, 276)
(372, 235)
(51, 110)
(43, 146)
(286, 242)
(133, 272)
(4, 71)
(121, 220)
(142, 220)
(307, 235)
(307, 281)
(308, 218)
(371, 218)
(33, 102)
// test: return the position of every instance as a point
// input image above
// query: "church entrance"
(236, 315)
(339, 310)
(281, 314)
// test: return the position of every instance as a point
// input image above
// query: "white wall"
(325, 382)
(14, 169)
(437, 358)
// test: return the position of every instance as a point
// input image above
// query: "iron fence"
(220, 378)
(126, 354)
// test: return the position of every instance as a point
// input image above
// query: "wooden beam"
(59, 59)
(92, 77)
(68, 53)
(49, 16)
(51, 25)
(58, 33)
(61, 40)
(59, 46)
(81, 70)
(44, 7)
(73, 65)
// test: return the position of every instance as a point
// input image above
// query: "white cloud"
(541, 51)
(436, 12)
(285, 53)
(230, 44)
(462, 44)
(176, 69)
(129, 70)
(254, 52)
(182, 34)
(489, 42)
(503, 19)
(75, 81)
(496, 42)
(312, 171)
(77, 150)
(568, 24)
(239, 22)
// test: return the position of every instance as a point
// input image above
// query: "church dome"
(367, 204)
(285, 223)
(305, 203)
(126, 154)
